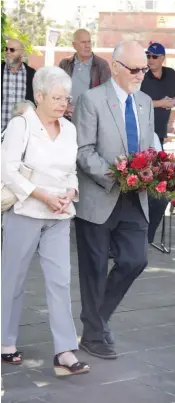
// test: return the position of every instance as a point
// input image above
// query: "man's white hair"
(46, 78)
(119, 49)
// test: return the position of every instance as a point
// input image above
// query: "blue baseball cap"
(156, 49)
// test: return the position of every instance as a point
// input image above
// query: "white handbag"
(8, 198)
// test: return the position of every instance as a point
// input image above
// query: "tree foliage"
(28, 17)
(13, 32)
(66, 34)
(3, 25)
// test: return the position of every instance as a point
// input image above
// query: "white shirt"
(122, 97)
(53, 163)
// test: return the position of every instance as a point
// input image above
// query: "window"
(150, 4)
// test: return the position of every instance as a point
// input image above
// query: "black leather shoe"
(109, 339)
(98, 349)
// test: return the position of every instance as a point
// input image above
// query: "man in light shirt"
(86, 69)
(113, 119)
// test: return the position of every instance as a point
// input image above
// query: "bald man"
(86, 69)
(16, 80)
(113, 119)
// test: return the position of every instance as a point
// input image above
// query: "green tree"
(13, 32)
(66, 34)
(28, 17)
(3, 25)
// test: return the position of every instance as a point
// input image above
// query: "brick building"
(114, 27)
(121, 26)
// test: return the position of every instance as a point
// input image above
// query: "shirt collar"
(151, 75)
(121, 94)
(22, 68)
(88, 63)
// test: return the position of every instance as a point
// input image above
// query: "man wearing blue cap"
(159, 84)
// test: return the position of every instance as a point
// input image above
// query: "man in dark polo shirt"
(159, 84)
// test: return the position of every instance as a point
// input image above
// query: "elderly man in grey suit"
(115, 118)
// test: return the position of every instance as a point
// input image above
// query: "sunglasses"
(134, 71)
(152, 56)
(12, 50)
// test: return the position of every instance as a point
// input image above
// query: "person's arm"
(163, 103)
(91, 163)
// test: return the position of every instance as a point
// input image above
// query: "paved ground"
(144, 326)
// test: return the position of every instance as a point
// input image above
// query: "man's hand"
(110, 172)
(166, 103)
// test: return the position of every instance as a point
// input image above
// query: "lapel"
(140, 114)
(115, 109)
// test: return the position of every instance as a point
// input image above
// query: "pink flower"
(171, 157)
(161, 187)
(121, 166)
(146, 175)
(132, 180)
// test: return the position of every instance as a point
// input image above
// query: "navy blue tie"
(131, 126)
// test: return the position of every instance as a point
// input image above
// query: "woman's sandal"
(75, 369)
(12, 358)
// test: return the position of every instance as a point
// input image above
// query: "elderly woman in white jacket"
(40, 218)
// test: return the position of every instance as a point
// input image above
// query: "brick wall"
(36, 61)
(145, 27)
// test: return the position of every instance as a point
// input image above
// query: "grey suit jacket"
(101, 136)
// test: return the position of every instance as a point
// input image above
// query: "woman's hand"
(65, 199)
(54, 203)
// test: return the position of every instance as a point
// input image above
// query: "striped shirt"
(14, 90)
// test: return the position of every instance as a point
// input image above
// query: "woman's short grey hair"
(46, 78)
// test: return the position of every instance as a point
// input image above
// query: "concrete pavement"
(144, 327)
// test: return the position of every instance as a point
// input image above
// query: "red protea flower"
(146, 175)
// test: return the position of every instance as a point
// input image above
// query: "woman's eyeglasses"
(134, 71)
(149, 56)
(62, 99)
(12, 50)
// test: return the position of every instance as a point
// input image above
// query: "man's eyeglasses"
(12, 50)
(149, 56)
(134, 71)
